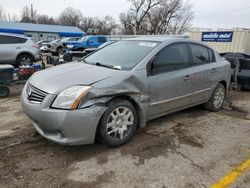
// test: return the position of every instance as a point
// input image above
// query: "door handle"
(187, 78)
(18, 48)
(213, 70)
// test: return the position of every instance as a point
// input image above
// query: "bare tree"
(104, 25)
(28, 15)
(138, 12)
(2, 15)
(13, 18)
(87, 23)
(44, 19)
(127, 24)
(71, 17)
(157, 17)
(182, 22)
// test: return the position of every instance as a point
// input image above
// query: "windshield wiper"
(107, 66)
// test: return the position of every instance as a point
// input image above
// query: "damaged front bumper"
(67, 127)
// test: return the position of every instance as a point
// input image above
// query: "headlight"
(69, 46)
(70, 98)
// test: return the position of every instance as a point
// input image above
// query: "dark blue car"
(91, 41)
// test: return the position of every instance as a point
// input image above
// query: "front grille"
(34, 94)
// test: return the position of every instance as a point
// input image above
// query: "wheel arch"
(224, 83)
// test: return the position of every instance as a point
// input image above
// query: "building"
(235, 40)
(41, 31)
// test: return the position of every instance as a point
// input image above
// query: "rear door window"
(211, 55)
(200, 54)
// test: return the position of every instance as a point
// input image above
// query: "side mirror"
(90, 42)
(151, 67)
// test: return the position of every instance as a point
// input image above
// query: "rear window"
(11, 40)
(200, 54)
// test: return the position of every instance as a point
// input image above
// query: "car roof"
(159, 38)
(168, 39)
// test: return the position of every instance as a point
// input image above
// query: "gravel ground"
(189, 149)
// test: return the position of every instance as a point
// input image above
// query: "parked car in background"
(18, 49)
(240, 65)
(42, 42)
(47, 46)
(57, 47)
(91, 41)
(69, 56)
(117, 89)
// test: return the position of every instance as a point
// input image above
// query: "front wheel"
(118, 124)
(216, 101)
(24, 60)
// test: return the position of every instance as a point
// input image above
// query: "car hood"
(56, 79)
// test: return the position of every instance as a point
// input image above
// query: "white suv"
(18, 49)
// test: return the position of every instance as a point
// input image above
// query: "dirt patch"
(18, 113)
(184, 138)
(100, 180)
(150, 146)
(160, 141)
(233, 110)
(4, 109)
(189, 185)
(246, 179)
(28, 160)
(102, 159)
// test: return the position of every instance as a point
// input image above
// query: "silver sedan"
(117, 89)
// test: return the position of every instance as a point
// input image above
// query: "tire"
(216, 101)
(4, 91)
(67, 57)
(120, 130)
(24, 59)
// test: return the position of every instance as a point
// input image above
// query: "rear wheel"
(4, 91)
(216, 101)
(118, 124)
(24, 60)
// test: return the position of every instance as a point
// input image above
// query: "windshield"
(54, 41)
(123, 54)
(83, 39)
(65, 39)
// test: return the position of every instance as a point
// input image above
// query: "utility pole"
(32, 13)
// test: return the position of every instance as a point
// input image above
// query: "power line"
(223, 13)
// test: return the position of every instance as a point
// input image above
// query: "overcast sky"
(208, 13)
